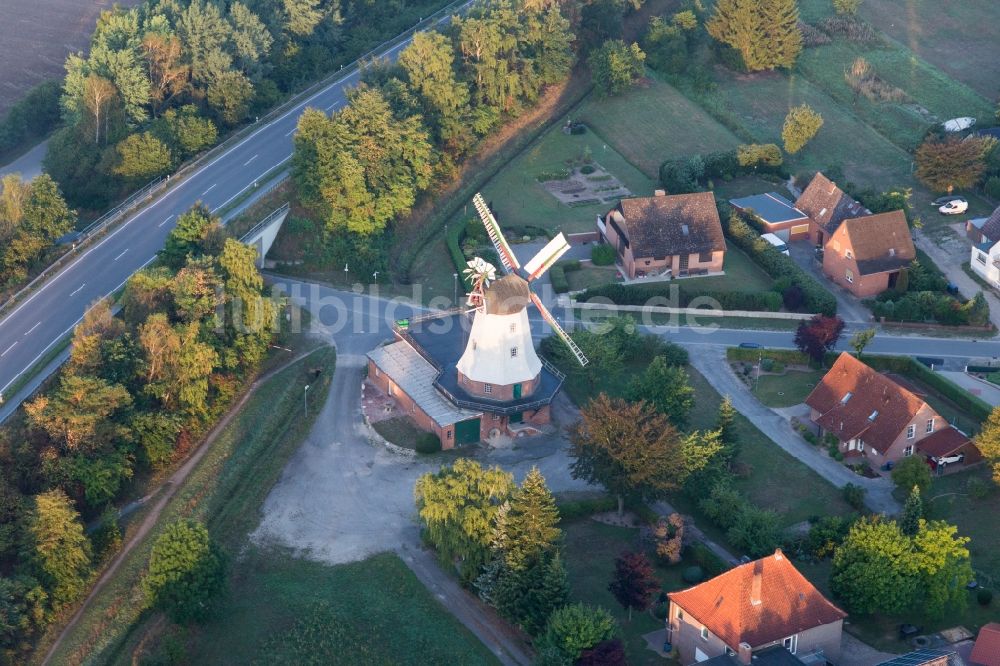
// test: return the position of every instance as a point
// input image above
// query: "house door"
(893, 278)
(467, 432)
(517, 391)
(516, 417)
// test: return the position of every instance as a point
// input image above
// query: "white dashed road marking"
(165, 221)
(33, 328)
(250, 160)
(121, 255)
(8, 349)
(208, 190)
(74, 292)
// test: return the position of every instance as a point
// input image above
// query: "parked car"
(940, 201)
(750, 345)
(956, 207)
(776, 243)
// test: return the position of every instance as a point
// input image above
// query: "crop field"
(654, 122)
(37, 35)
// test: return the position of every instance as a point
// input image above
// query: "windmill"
(500, 350)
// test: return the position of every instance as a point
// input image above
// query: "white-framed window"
(861, 445)
(513, 328)
(849, 254)
(449, 434)
(496, 417)
(908, 451)
(849, 275)
(487, 388)
(377, 373)
(930, 425)
(413, 408)
(911, 431)
(474, 345)
(791, 643)
(981, 257)
(513, 352)
(704, 633)
(680, 614)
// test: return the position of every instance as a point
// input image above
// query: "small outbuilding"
(776, 214)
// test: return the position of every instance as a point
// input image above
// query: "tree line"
(137, 392)
(33, 216)
(409, 123)
(162, 80)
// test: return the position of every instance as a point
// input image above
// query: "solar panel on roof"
(917, 658)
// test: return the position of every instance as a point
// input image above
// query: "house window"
(449, 434)
(849, 275)
(513, 328)
(487, 388)
(911, 431)
(680, 614)
(513, 352)
(849, 254)
(496, 417)
(791, 643)
(377, 373)
(799, 229)
(413, 408)
(930, 425)
(704, 257)
(908, 451)
(474, 345)
(861, 445)
(704, 633)
(981, 257)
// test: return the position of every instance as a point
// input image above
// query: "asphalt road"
(28, 331)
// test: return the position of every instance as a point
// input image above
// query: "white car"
(954, 207)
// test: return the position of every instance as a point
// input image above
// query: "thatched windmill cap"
(506, 296)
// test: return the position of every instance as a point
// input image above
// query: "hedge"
(786, 356)
(909, 367)
(816, 298)
(582, 508)
(620, 294)
(454, 241)
(560, 284)
(706, 559)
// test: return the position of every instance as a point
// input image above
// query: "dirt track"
(37, 35)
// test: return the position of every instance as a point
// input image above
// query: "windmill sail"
(506, 255)
(551, 321)
(547, 256)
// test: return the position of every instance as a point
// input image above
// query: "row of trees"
(505, 539)
(364, 166)
(33, 215)
(137, 392)
(160, 78)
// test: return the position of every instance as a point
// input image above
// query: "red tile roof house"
(866, 255)
(750, 608)
(676, 235)
(827, 206)
(986, 651)
(873, 416)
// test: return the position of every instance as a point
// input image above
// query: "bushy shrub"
(693, 574)
(602, 255)
(977, 488)
(586, 507)
(854, 495)
(751, 155)
(984, 596)
(570, 265)
(588, 169)
(992, 187)
(428, 442)
(703, 556)
(812, 36)
(851, 28)
(560, 284)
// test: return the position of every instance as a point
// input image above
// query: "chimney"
(659, 193)
(745, 654)
(755, 596)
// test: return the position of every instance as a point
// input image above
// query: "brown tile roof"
(880, 242)
(991, 227)
(664, 226)
(826, 204)
(786, 603)
(877, 408)
(986, 651)
(943, 442)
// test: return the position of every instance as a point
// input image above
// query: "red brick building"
(867, 254)
(676, 235)
(873, 416)
(826, 206)
(753, 608)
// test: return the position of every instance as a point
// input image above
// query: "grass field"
(590, 549)
(654, 122)
(284, 610)
(591, 276)
(788, 389)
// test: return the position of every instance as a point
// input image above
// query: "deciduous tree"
(142, 156)
(988, 442)
(634, 582)
(60, 549)
(861, 339)
(666, 388)
(801, 125)
(186, 571)
(615, 66)
(946, 164)
(819, 335)
(575, 628)
(873, 569)
(911, 472)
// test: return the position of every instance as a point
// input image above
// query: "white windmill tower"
(499, 361)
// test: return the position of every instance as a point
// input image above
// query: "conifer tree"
(527, 528)
(913, 511)
(764, 32)
(61, 549)
(781, 27)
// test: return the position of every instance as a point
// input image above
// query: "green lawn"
(788, 389)
(401, 431)
(591, 276)
(286, 610)
(590, 549)
(742, 274)
(519, 199)
(654, 122)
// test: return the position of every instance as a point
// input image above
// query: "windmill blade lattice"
(551, 321)
(506, 255)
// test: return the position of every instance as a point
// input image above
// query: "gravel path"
(712, 363)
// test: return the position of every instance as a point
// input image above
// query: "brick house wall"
(498, 392)
(686, 636)
(406, 404)
(897, 449)
(843, 270)
(656, 265)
